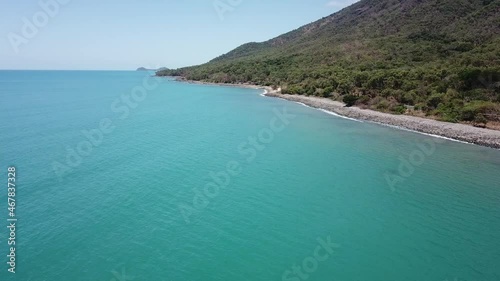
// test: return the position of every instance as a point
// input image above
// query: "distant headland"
(148, 69)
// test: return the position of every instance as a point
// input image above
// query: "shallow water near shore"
(282, 179)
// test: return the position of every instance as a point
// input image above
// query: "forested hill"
(440, 57)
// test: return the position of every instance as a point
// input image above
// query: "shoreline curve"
(452, 131)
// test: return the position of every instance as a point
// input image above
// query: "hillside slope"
(439, 57)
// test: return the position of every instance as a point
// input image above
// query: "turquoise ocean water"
(124, 177)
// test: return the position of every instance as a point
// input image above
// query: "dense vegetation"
(438, 57)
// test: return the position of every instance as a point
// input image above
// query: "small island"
(147, 69)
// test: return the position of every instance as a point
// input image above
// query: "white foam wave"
(397, 127)
(418, 132)
(304, 104)
(341, 116)
(379, 123)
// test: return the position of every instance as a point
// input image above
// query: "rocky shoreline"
(456, 131)
(461, 132)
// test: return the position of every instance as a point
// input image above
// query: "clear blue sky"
(126, 34)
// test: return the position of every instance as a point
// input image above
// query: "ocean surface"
(122, 176)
